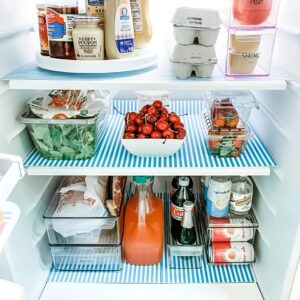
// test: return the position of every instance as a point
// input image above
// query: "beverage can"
(231, 253)
(241, 195)
(226, 232)
(218, 196)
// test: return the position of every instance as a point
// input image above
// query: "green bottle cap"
(143, 179)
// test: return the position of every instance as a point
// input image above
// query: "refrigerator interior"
(26, 258)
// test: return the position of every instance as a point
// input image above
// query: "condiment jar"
(43, 33)
(141, 22)
(95, 8)
(88, 38)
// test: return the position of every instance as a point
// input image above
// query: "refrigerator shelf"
(193, 159)
(11, 171)
(11, 214)
(30, 76)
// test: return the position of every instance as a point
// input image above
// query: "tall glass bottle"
(182, 194)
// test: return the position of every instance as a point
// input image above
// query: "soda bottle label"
(176, 212)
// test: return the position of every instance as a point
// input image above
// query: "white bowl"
(152, 147)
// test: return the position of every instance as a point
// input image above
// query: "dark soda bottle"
(175, 184)
(182, 194)
(187, 234)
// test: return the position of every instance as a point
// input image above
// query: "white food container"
(152, 147)
(198, 58)
(191, 23)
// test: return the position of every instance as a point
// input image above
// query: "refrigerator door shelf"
(11, 171)
(11, 214)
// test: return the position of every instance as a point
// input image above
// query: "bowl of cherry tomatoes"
(153, 131)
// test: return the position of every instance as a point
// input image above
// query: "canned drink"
(218, 196)
(241, 195)
(221, 253)
(226, 232)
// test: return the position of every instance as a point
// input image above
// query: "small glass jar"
(60, 25)
(43, 33)
(88, 38)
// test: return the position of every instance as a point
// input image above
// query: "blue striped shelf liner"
(110, 152)
(158, 274)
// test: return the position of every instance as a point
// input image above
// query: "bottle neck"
(143, 192)
(187, 219)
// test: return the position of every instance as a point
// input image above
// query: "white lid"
(41, 6)
(196, 17)
(86, 19)
(188, 205)
(194, 54)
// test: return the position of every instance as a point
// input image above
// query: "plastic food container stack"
(230, 240)
(99, 249)
(195, 31)
(251, 27)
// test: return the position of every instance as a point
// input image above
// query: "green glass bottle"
(187, 234)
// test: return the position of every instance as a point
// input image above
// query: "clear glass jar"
(60, 17)
(88, 38)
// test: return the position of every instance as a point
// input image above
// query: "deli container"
(69, 139)
(225, 142)
(249, 52)
(227, 109)
(252, 13)
(186, 256)
(196, 26)
(105, 230)
(197, 58)
(87, 258)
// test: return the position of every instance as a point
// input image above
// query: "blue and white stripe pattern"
(110, 152)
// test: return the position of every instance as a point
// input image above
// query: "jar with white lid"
(88, 37)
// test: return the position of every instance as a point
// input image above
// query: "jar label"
(240, 202)
(60, 26)
(136, 9)
(95, 8)
(124, 33)
(43, 32)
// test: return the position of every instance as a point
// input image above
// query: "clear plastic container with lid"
(250, 52)
(88, 38)
(253, 13)
(60, 26)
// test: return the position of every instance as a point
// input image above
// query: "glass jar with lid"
(60, 16)
(88, 38)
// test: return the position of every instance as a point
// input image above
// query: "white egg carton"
(189, 36)
(197, 58)
(191, 23)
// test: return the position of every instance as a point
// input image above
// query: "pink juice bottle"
(251, 12)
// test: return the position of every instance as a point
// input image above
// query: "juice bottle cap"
(184, 181)
(143, 179)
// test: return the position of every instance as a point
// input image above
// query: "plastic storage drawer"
(87, 258)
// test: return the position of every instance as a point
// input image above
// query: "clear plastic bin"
(68, 139)
(109, 231)
(185, 256)
(87, 258)
(228, 108)
(250, 52)
(252, 13)
(225, 142)
(232, 228)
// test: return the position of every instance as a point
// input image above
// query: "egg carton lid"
(194, 54)
(197, 17)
